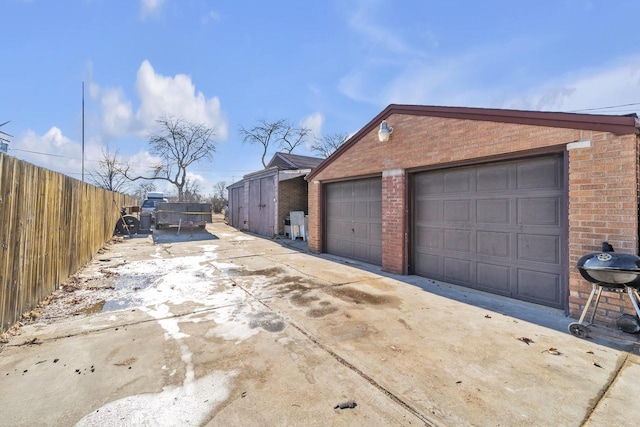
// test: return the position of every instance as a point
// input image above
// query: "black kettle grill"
(614, 272)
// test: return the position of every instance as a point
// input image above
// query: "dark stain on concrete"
(300, 299)
(405, 324)
(269, 272)
(360, 297)
(322, 311)
(268, 321)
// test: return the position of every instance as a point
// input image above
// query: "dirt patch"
(360, 297)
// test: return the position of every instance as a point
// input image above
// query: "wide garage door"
(495, 227)
(354, 219)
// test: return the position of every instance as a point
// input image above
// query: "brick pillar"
(393, 221)
(315, 229)
(603, 206)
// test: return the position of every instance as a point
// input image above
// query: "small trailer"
(183, 214)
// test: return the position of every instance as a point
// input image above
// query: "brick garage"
(593, 158)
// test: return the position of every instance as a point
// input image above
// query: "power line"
(605, 108)
(44, 154)
(133, 164)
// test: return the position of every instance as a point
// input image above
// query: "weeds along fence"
(50, 226)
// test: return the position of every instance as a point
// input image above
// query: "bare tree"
(191, 191)
(179, 143)
(142, 189)
(291, 137)
(327, 144)
(220, 189)
(219, 198)
(109, 174)
(265, 134)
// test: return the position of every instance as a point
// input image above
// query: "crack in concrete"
(605, 389)
(428, 422)
(39, 341)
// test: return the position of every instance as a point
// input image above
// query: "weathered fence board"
(50, 226)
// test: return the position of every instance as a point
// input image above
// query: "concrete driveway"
(219, 327)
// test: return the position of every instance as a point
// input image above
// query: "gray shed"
(262, 200)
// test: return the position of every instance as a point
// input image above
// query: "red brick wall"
(602, 184)
(292, 196)
(603, 206)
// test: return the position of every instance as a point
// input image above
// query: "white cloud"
(176, 96)
(150, 7)
(394, 72)
(314, 122)
(117, 112)
(616, 84)
(55, 151)
(123, 126)
(158, 95)
(363, 22)
(211, 16)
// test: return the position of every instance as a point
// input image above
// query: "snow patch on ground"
(189, 405)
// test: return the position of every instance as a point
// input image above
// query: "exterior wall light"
(385, 132)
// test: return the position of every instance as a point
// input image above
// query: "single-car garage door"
(354, 219)
(495, 227)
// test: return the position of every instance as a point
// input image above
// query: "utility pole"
(83, 131)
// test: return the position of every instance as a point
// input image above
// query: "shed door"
(236, 199)
(262, 206)
(354, 219)
(495, 227)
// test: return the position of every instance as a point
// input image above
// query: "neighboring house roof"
(620, 125)
(283, 161)
(293, 161)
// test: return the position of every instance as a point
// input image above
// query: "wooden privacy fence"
(50, 226)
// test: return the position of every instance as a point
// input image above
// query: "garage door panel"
(496, 227)
(361, 210)
(494, 278)
(429, 265)
(537, 248)
(360, 230)
(430, 238)
(493, 243)
(341, 191)
(375, 255)
(539, 211)
(429, 185)
(539, 174)
(493, 178)
(346, 209)
(375, 210)
(456, 181)
(362, 188)
(539, 287)
(493, 211)
(457, 270)
(429, 210)
(375, 232)
(457, 240)
(333, 209)
(375, 190)
(457, 210)
(354, 219)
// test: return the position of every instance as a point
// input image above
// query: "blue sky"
(329, 65)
